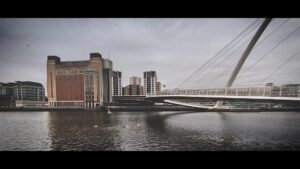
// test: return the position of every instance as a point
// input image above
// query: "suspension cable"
(269, 35)
(266, 54)
(290, 58)
(231, 65)
(217, 54)
(231, 54)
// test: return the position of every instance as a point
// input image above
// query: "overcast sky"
(174, 48)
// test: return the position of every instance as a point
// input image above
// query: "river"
(149, 131)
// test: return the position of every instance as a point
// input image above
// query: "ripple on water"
(150, 131)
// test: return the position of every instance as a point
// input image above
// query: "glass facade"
(23, 91)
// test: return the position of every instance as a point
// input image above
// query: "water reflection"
(188, 131)
(158, 120)
(21, 131)
(229, 131)
(76, 131)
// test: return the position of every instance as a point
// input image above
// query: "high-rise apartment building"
(150, 80)
(117, 83)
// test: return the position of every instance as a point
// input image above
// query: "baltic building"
(85, 83)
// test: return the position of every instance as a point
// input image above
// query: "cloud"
(175, 48)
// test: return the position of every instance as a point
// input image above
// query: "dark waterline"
(171, 131)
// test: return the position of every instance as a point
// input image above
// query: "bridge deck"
(187, 105)
(229, 97)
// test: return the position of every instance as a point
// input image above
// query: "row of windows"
(89, 98)
(33, 94)
(89, 92)
(29, 94)
(67, 103)
(28, 97)
(28, 89)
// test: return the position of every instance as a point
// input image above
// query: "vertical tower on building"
(150, 80)
(85, 83)
(117, 83)
(158, 87)
(107, 81)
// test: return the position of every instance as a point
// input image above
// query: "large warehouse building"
(85, 83)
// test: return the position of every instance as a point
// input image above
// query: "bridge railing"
(268, 91)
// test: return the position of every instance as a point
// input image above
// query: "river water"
(148, 131)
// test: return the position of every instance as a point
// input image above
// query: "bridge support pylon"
(218, 105)
(244, 56)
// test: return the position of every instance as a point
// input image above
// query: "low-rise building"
(133, 90)
(22, 94)
(134, 87)
(134, 80)
(158, 87)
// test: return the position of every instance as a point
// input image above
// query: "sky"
(173, 47)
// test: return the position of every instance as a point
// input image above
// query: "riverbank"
(45, 109)
(175, 108)
(104, 108)
(184, 108)
(147, 108)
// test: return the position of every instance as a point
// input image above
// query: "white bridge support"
(284, 93)
(247, 51)
(188, 104)
(219, 104)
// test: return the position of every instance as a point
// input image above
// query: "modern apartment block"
(117, 83)
(22, 94)
(150, 80)
(86, 83)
